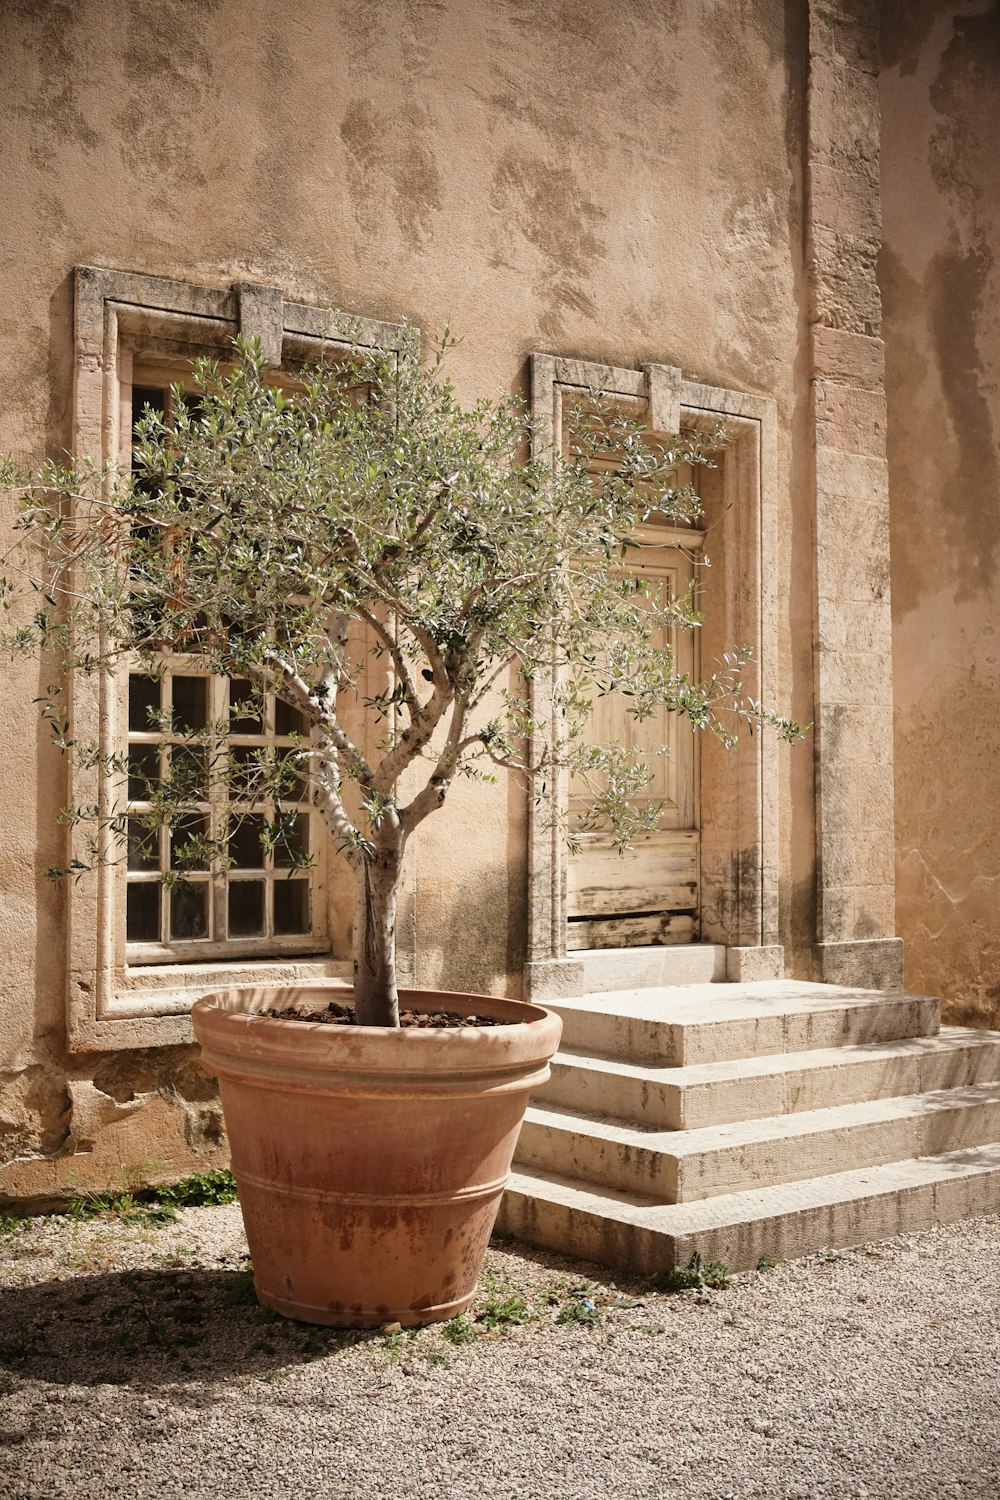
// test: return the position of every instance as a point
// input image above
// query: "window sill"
(152, 1008)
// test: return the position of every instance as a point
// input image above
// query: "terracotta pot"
(370, 1163)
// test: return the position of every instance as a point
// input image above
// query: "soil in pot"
(343, 1015)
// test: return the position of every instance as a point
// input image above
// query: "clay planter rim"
(236, 1039)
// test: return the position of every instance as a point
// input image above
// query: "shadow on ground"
(148, 1327)
(153, 1327)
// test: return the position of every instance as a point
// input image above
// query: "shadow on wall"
(470, 934)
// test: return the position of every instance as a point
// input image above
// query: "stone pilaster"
(856, 942)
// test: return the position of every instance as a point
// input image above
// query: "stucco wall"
(940, 277)
(619, 183)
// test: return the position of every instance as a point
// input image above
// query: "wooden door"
(650, 894)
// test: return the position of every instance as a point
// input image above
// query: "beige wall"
(940, 277)
(615, 182)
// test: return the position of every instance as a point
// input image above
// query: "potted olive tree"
(285, 539)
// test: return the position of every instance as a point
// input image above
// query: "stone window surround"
(109, 1006)
(740, 849)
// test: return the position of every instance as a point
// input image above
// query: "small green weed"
(392, 1345)
(581, 1311)
(202, 1190)
(147, 1206)
(459, 1331)
(316, 1343)
(767, 1262)
(697, 1275)
(830, 1255)
(125, 1207)
(392, 1337)
(505, 1313)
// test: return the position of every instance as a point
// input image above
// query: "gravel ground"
(134, 1362)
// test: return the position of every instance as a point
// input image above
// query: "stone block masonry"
(856, 940)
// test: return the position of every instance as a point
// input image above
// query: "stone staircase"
(748, 1120)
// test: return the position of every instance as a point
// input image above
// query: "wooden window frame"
(219, 942)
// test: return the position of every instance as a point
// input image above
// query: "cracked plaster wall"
(621, 184)
(940, 277)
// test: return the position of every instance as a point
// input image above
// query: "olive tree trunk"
(377, 877)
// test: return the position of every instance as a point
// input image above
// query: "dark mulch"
(427, 1020)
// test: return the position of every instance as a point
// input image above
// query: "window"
(234, 874)
(135, 959)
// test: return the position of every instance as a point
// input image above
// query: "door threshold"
(647, 968)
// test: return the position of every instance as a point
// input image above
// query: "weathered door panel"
(649, 895)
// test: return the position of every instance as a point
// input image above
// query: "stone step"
(688, 1025)
(687, 1165)
(650, 968)
(632, 1232)
(719, 1093)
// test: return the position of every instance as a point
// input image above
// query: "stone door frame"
(739, 797)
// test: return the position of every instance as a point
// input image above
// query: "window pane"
(143, 772)
(148, 397)
(288, 720)
(142, 913)
(292, 839)
(246, 908)
(190, 704)
(184, 855)
(245, 848)
(143, 846)
(291, 906)
(245, 706)
(244, 772)
(292, 787)
(143, 699)
(189, 910)
(189, 772)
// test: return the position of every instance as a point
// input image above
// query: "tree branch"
(312, 705)
(334, 813)
(434, 793)
(399, 660)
